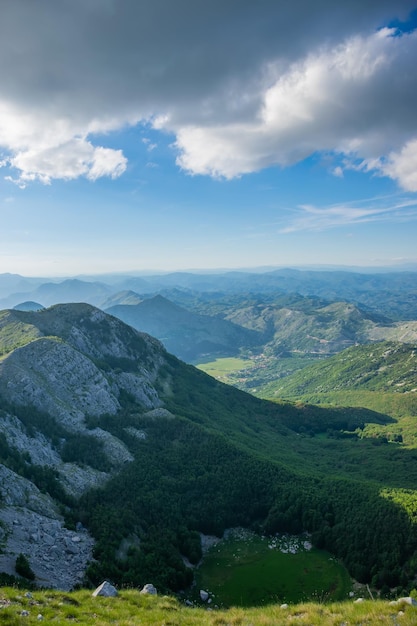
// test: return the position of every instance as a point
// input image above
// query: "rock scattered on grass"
(105, 589)
(150, 589)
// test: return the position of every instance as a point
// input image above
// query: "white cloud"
(338, 171)
(67, 161)
(242, 85)
(106, 162)
(402, 166)
(45, 148)
(345, 99)
(313, 218)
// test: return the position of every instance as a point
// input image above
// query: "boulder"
(105, 589)
(204, 595)
(150, 589)
(406, 600)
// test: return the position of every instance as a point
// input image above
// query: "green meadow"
(251, 570)
(220, 368)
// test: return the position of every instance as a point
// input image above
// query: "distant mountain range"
(391, 294)
(205, 316)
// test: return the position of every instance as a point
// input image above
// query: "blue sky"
(166, 136)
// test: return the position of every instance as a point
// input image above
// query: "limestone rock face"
(41, 450)
(19, 492)
(76, 479)
(54, 377)
(32, 525)
(141, 388)
(62, 370)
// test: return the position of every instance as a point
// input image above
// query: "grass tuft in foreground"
(130, 608)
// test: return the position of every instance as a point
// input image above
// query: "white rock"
(407, 600)
(150, 589)
(204, 595)
(105, 589)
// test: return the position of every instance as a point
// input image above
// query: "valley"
(145, 453)
(245, 569)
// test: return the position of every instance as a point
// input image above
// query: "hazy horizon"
(88, 276)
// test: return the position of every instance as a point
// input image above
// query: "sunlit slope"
(178, 453)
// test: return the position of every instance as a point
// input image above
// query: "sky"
(162, 135)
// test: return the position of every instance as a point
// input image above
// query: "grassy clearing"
(130, 608)
(222, 367)
(259, 375)
(251, 570)
(397, 405)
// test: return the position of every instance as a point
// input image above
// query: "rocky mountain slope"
(50, 363)
(308, 326)
(115, 455)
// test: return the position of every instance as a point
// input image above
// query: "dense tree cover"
(183, 480)
(350, 519)
(230, 459)
(186, 480)
(23, 567)
(385, 366)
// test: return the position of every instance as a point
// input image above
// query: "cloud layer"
(242, 85)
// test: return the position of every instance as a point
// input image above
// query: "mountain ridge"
(394, 293)
(186, 334)
(145, 451)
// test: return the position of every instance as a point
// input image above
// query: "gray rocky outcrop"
(71, 362)
(114, 449)
(405, 600)
(40, 449)
(149, 589)
(64, 383)
(76, 479)
(18, 492)
(31, 525)
(141, 388)
(105, 589)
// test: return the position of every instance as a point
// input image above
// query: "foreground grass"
(130, 608)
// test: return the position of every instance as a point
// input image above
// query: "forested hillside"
(146, 453)
(381, 376)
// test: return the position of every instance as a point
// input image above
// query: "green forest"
(219, 458)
